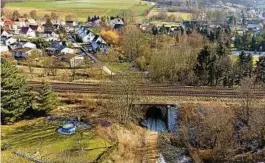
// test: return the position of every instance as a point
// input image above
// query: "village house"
(49, 36)
(36, 28)
(70, 26)
(32, 21)
(67, 51)
(99, 43)
(13, 44)
(21, 22)
(29, 45)
(73, 59)
(84, 34)
(116, 23)
(27, 32)
(55, 48)
(70, 23)
(22, 53)
(87, 36)
(6, 34)
(10, 41)
(6, 23)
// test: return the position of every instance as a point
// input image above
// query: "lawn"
(81, 8)
(40, 140)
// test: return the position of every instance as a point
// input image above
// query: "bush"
(5, 146)
(141, 63)
(110, 36)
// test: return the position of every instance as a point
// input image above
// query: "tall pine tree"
(245, 63)
(260, 70)
(205, 68)
(48, 99)
(243, 67)
(16, 96)
(223, 62)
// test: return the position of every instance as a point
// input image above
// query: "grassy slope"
(82, 8)
(36, 135)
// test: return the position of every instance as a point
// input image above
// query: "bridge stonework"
(170, 110)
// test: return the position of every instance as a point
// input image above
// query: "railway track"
(153, 90)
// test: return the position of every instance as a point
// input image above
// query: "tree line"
(15, 15)
(250, 41)
(197, 58)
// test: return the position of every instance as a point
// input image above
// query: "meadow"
(81, 8)
(39, 139)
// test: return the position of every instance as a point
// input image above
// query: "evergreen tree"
(243, 67)
(214, 65)
(246, 40)
(223, 72)
(205, 68)
(222, 49)
(48, 100)
(88, 19)
(16, 96)
(238, 41)
(260, 70)
(223, 62)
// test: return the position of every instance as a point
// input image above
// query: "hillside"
(80, 8)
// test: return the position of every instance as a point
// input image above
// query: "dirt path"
(150, 151)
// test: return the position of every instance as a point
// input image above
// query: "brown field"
(179, 15)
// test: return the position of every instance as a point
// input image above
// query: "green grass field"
(82, 8)
(41, 140)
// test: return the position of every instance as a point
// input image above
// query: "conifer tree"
(48, 100)
(243, 67)
(245, 63)
(15, 94)
(260, 70)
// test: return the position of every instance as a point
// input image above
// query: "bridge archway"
(156, 119)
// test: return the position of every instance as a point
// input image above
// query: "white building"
(29, 45)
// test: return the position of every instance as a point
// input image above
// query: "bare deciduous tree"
(33, 14)
(121, 93)
(132, 42)
(49, 65)
(54, 16)
(246, 92)
(34, 54)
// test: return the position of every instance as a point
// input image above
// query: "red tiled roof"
(8, 21)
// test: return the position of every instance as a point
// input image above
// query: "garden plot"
(39, 140)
